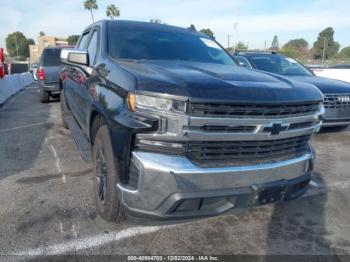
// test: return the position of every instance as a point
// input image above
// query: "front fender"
(123, 124)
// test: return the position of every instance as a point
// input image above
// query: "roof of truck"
(140, 24)
(256, 53)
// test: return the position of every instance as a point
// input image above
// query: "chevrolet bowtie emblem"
(276, 128)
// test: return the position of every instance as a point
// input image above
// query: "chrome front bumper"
(166, 181)
(337, 122)
(331, 121)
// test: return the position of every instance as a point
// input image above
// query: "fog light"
(188, 205)
(160, 146)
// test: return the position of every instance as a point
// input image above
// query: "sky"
(254, 22)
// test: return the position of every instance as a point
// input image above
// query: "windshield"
(148, 43)
(279, 65)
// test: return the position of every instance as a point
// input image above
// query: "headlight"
(138, 101)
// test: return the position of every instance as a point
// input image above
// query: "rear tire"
(44, 96)
(64, 111)
(106, 177)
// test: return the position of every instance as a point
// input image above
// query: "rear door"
(52, 65)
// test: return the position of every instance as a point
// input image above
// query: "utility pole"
(16, 45)
(235, 27)
(324, 48)
(228, 41)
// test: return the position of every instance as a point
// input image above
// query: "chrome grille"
(224, 128)
(233, 153)
(253, 110)
(337, 106)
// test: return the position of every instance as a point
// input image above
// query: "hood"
(203, 81)
(326, 85)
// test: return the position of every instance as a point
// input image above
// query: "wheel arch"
(94, 124)
(97, 119)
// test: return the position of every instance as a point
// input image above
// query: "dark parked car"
(48, 73)
(336, 93)
(341, 66)
(177, 129)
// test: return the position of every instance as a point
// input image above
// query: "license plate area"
(269, 193)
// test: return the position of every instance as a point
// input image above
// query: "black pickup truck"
(176, 130)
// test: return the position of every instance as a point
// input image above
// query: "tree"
(112, 11)
(325, 39)
(208, 32)
(41, 33)
(91, 5)
(241, 46)
(30, 41)
(17, 45)
(274, 44)
(73, 39)
(297, 44)
(297, 48)
(345, 53)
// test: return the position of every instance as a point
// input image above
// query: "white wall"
(338, 74)
(12, 84)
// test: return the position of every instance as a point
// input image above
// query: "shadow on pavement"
(297, 230)
(333, 129)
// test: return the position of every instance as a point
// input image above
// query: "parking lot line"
(81, 244)
(26, 126)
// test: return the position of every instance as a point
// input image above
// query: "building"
(35, 51)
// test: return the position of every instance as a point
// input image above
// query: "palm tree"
(90, 5)
(112, 11)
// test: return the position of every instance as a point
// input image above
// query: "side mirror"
(74, 57)
(242, 64)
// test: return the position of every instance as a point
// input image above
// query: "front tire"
(106, 177)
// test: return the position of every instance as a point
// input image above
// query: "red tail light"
(41, 73)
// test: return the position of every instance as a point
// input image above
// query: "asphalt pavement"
(47, 206)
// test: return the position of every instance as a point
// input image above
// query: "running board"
(82, 143)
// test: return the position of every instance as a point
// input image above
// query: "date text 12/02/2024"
(173, 258)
